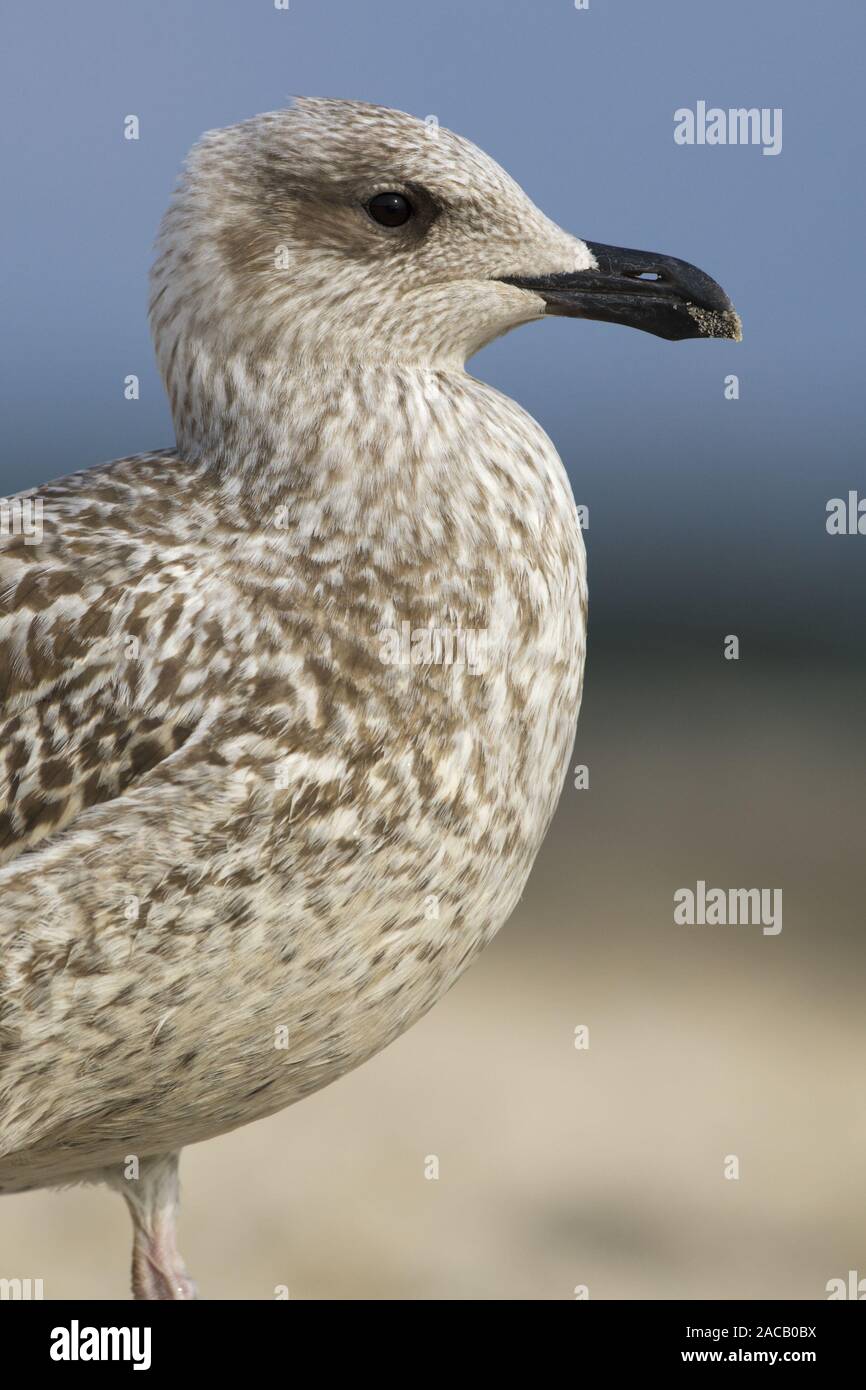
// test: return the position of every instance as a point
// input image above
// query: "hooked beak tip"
(641, 289)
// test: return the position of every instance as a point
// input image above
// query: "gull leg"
(158, 1270)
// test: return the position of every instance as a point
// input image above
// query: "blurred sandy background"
(602, 1167)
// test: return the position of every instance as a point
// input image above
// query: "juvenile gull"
(287, 709)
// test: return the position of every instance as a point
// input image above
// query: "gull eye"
(390, 209)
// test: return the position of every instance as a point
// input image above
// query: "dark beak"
(659, 294)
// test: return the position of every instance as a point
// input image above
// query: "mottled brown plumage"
(245, 851)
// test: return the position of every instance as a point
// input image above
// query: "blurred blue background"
(703, 512)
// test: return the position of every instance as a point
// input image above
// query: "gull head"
(335, 232)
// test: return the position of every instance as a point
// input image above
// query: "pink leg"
(158, 1270)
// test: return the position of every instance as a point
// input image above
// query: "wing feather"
(76, 604)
